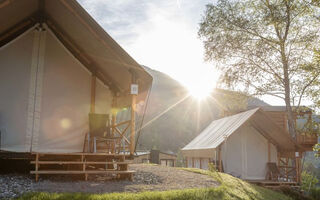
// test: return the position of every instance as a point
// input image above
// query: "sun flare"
(201, 82)
(200, 92)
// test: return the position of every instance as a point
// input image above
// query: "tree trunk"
(289, 109)
(287, 92)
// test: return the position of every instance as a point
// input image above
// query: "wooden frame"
(133, 120)
(82, 160)
(93, 93)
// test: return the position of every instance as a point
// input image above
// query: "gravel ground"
(146, 178)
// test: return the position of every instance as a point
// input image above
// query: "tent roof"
(282, 108)
(219, 130)
(81, 34)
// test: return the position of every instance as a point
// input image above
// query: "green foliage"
(294, 194)
(265, 48)
(308, 181)
(234, 188)
(312, 164)
(212, 167)
(263, 45)
(315, 193)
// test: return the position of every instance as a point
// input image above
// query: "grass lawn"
(230, 188)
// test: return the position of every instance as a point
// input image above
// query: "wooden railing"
(111, 144)
(82, 164)
(305, 139)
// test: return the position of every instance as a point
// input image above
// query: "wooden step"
(82, 172)
(84, 161)
(80, 154)
(78, 162)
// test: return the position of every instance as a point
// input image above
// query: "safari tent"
(241, 145)
(57, 65)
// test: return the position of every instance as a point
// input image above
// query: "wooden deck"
(273, 184)
(114, 165)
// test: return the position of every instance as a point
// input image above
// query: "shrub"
(294, 194)
(212, 167)
(315, 193)
(308, 181)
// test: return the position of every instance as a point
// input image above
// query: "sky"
(163, 35)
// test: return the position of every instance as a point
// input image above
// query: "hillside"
(173, 118)
(206, 185)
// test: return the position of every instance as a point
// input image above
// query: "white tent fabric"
(48, 53)
(47, 96)
(243, 142)
(79, 31)
(245, 154)
(15, 76)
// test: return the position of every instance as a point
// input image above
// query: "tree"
(265, 47)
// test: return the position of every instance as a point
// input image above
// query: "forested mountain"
(173, 118)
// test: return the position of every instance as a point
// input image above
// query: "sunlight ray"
(162, 113)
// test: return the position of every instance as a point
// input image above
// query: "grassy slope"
(230, 188)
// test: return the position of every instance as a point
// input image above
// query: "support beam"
(269, 151)
(220, 160)
(93, 94)
(187, 162)
(5, 3)
(133, 124)
(192, 162)
(17, 29)
(113, 120)
(298, 167)
(133, 119)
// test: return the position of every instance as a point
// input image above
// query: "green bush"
(212, 167)
(315, 193)
(294, 194)
(308, 181)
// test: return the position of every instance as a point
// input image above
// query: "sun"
(200, 91)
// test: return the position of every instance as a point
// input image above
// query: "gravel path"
(146, 178)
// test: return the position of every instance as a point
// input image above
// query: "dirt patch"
(146, 178)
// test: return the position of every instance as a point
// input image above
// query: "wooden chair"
(100, 131)
(273, 172)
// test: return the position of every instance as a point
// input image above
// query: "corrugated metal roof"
(212, 136)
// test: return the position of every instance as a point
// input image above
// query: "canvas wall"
(245, 154)
(15, 71)
(45, 96)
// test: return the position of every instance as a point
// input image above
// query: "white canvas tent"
(49, 52)
(244, 143)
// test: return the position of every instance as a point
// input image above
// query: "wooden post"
(297, 170)
(285, 123)
(186, 162)
(133, 120)
(192, 162)
(200, 163)
(37, 167)
(269, 152)
(220, 160)
(93, 93)
(298, 167)
(286, 169)
(113, 123)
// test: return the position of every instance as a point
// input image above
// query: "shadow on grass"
(189, 194)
